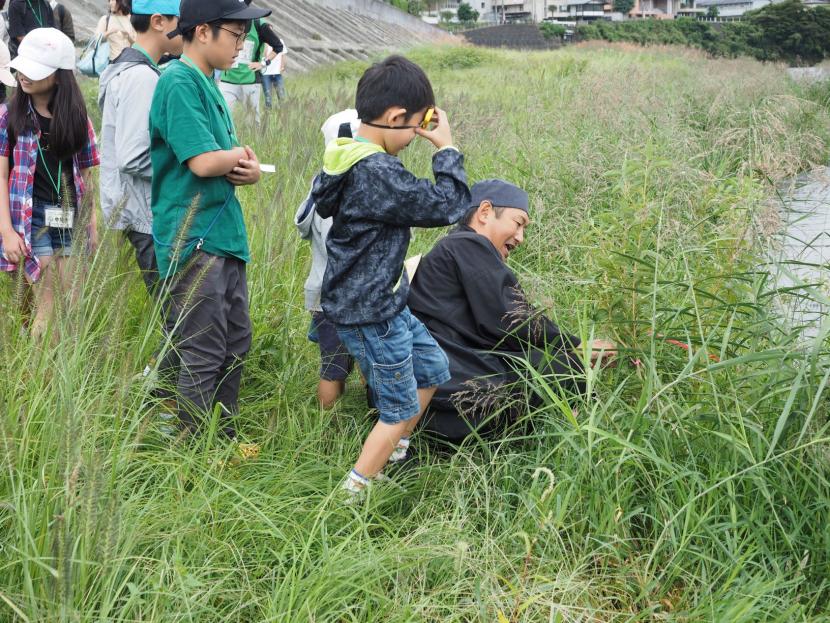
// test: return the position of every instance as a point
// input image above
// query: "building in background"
(490, 11)
(574, 11)
(732, 8)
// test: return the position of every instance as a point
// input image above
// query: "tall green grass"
(693, 487)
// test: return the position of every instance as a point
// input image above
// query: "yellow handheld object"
(427, 119)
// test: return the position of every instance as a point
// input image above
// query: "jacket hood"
(128, 59)
(341, 155)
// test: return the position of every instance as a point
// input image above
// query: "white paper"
(268, 168)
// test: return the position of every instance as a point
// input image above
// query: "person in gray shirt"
(125, 94)
(335, 361)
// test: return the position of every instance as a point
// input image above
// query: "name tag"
(59, 218)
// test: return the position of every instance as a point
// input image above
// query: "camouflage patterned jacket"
(374, 201)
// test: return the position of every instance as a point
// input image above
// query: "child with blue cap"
(125, 94)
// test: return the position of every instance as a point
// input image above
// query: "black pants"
(500, 399)
(145, 257)
(210, 327)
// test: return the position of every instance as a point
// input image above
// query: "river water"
(802, 257)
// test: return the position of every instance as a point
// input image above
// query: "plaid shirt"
(22, 179)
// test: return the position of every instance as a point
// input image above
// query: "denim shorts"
(397, 357)
(335, 361)
(48, 241)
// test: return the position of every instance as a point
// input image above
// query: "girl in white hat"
(47, 149)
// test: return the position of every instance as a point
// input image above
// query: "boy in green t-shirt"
(198, 228)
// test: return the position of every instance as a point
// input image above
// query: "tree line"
(787, 32)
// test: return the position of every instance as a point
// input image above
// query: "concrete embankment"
(317, 31)
(515, 36)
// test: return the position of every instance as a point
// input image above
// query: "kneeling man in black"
(472, 304)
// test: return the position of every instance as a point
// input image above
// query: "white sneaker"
(355, 486)
(400, 451)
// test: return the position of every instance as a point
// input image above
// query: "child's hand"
(14, 248)
(440, 135)
(247, 171)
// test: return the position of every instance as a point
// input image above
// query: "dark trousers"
(145, 257)
(210, 327)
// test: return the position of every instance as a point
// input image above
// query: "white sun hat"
(42, 52)
(332, 125)
(5, 73)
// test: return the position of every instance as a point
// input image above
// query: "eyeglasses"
(240, 36)
(423, 125)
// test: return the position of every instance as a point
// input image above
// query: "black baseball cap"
(195, 12)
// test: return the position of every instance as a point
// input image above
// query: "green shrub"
(550, 30)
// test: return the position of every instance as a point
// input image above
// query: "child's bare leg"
(44, 303)
(424, 398)
(402, 448)
(328, 392)
(66, 277)
(379, 446)
(384, 439)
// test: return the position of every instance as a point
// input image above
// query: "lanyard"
(217, 96)
(38, 15)
(138, 47)
(55, 185)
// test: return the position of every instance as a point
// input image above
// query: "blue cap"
(151, 7)
(499, 193)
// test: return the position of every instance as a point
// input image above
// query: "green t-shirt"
(188, 118)
(251, 52)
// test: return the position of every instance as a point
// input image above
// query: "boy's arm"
(215, 163)
(398, 197)
(68, 24)
(132, 126)
(187, 130)
(304, 217)
(16, 13)
(267, 35)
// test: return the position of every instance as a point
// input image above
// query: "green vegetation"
(623, 6)
(787, 31)
(466, 13)
(551, 30)
(682, 490)
(414, 7)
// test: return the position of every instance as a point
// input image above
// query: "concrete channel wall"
(515, 36)
(317, 31)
